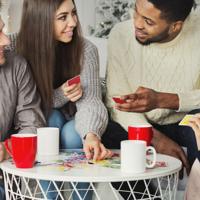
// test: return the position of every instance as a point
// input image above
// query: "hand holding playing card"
(186, 120)
(72, 89)
(143, 100)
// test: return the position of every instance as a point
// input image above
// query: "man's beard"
(163, 36)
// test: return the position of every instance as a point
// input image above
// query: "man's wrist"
(156, 135)
(168, 100)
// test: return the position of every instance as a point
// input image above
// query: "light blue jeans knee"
(69, 139)
(56, 119)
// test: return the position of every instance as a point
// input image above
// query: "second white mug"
(133, 156)
(47, 141)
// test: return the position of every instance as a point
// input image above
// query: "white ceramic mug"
(47, 141)
(133, 156)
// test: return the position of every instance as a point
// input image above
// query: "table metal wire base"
(23, 188)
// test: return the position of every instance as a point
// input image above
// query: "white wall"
(11, 14)
(86, 12)
(4, 13)
(15, 11)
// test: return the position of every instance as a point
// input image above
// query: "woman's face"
(65, 21)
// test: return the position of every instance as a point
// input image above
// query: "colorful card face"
(74, 80)
(185, 120)
(117, 99)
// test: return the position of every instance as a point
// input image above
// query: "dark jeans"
(182, 135)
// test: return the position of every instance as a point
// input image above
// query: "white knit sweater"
(172, 67)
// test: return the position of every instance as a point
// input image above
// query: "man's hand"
(3, 153)
(94, 149)
(165, 145)
(143, 100)
(146, 99)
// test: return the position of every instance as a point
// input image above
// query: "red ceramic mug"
(141, 132)
(23, 149)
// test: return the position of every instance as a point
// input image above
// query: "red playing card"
(117, 99)
(74, 80)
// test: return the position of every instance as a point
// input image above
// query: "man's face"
(149, 26)
(4, 41)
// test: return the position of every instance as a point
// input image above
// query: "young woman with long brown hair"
(50, 39)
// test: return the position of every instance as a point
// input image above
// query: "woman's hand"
(195, 125)
(94, 149)
(73, 92)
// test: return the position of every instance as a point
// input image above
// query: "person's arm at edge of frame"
(195, 125)
(28, 115)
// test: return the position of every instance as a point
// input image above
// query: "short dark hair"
(174, 10)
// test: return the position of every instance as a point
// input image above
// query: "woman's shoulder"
(90, 54)
(88, 46)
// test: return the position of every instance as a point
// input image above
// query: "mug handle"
(8, 149)
(154, 157)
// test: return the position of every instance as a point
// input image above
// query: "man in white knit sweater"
(154, 65)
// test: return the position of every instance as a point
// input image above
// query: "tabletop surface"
(84, 172)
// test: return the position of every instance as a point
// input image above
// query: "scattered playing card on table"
(158, 163)
(161, 164)
(185, 120)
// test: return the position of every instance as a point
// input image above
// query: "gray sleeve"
(59, 100)
(91, 113)
(28, 115)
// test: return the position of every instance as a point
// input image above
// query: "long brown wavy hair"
(51, 62)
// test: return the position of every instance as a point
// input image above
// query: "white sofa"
(101, 45)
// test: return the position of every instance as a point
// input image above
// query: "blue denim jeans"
(69, 139)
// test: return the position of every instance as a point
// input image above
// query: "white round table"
(19, 182)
